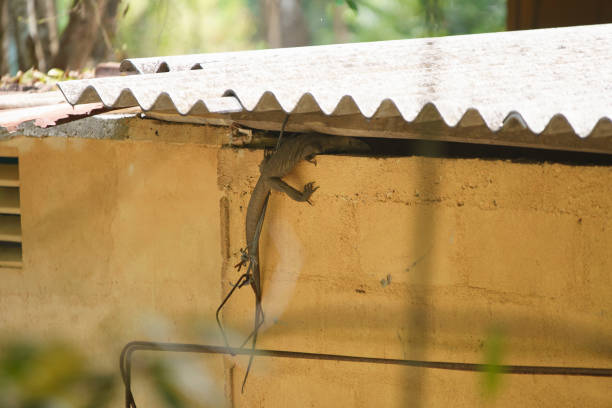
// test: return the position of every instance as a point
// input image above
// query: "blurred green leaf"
(50, 375)
(165, 386)
(15, 360)
(352, 5)
(27, 77)
(493, 357)
(55, 73)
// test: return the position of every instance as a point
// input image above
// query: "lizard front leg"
(311, 159)
(279, 185)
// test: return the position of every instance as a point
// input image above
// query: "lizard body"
(289, 154)
(272, 169)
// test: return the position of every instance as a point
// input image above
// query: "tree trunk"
(285, 23)
(19, 33)
(40, 62)
(79, 37)
(46, 16)
(28, 30)
(4, 64)
(103, 50)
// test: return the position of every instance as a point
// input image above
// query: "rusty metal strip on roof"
(536, 78)
(46, 115)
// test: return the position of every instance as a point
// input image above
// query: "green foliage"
(52, 374)
(378, 20)
(352, 4)
(165, 386)
(391, 19)
(63, 11)
(493, 356)
(34, 80)
(474, 16)
(164, 27)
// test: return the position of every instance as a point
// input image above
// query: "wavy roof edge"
(268, 102)
(540, 79)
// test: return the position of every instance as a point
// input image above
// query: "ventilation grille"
(10, 214)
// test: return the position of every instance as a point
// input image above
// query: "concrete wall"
(414, 257)
(120, 243)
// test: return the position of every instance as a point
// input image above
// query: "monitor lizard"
(272, 169)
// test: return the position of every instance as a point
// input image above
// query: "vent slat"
(10, 256)
(10, 228)
(9, 175)
(9, 200)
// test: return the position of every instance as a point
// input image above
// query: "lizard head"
(356, 145)
(312, 149)
(345, 144)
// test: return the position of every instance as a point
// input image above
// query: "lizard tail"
(259, 319)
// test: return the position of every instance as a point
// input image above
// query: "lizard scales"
(272, 169)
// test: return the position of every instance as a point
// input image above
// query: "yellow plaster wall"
(417, 258)
(426, 258)
(120, 243)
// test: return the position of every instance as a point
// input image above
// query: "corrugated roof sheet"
(538, 78)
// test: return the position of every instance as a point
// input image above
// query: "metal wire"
(130, 348)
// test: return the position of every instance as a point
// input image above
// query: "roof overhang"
(549, 88)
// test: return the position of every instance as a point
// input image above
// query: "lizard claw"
(309, 188)
(244, 258)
